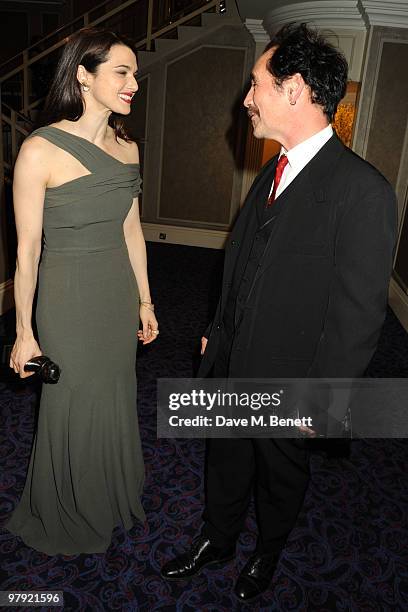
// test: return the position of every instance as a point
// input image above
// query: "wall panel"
(198, 149)
(390, 112)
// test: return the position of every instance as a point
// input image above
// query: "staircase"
(205, 36)
(154, 27)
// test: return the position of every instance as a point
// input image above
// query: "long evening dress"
(86, 469)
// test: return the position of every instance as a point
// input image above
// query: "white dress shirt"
(300, 156)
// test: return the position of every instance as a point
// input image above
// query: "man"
(304, 292)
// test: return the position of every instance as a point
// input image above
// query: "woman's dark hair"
(322, 66)
(89, 47)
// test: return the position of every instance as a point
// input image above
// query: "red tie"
(280, 166)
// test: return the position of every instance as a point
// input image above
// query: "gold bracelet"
(147, 305)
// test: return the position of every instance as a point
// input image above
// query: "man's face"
(267, 104)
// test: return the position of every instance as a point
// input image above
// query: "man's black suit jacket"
(319, 296)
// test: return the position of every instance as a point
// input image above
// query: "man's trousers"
(275, 469)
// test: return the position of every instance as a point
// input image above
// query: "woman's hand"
(150, 327)
(24, 349)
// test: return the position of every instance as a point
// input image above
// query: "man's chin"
(257, 133)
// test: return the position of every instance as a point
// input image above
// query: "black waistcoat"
(251, 251)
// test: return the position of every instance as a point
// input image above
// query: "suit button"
(234, 243)
(218, 326)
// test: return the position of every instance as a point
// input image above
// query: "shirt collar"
(302, 153)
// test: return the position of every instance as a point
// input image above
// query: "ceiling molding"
(257, 30)
(339, 14)
(344, 14)
(391, 13)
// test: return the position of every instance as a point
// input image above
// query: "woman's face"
(114, 85)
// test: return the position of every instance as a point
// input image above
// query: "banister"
(84, 16)
(12, 121)
(28, 61)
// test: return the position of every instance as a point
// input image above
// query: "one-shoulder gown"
(86, 468)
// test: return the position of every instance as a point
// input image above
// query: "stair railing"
(24, 60)
(18, 126)
(15, 123)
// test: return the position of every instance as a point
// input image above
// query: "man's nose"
(248, 98)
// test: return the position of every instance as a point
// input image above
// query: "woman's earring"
(85, 87)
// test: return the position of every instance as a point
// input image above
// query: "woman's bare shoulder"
(35, 159)
(36, 149)
(131, 150)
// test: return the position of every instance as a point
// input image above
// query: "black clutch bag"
(47, 370)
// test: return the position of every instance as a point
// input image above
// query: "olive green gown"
(86, 469)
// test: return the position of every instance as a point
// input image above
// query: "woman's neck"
(93, 127)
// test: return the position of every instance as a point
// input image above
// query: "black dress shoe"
(256, 576)
(201, 554)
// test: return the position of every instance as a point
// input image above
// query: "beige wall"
(195, 126)
(390, 111)
(381, 136)
(197, 169)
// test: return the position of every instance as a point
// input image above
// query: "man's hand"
(203, 344)
(310, 433)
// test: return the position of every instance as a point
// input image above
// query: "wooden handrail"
(84, 17)
(12, 120)
(150, 36)
(18, 114)
(28, 61)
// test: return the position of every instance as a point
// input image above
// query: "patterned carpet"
(348, 552)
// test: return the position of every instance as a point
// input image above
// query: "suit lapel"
(262, 192)
(310, 187)
(247, 222)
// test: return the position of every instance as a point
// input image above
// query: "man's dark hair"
(322, 66)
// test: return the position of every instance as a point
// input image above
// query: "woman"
(78, 179)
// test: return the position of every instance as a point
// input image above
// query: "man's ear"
(294, 87)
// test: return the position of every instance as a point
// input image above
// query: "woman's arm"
(137, 254)
(30, 179)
